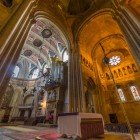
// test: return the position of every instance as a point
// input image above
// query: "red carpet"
(51, 136)
(45, 135)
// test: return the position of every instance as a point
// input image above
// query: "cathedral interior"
(66, 56)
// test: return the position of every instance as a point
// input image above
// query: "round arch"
(49, 17)
(87, 19)
(28, 99)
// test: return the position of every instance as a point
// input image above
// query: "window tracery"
(135, 92)
(121, 94)
(16, 71)
(114, 60)
(65, 56)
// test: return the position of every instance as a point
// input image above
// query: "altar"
(85, 125)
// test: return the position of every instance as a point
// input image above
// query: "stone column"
(12, 40)
(75, 87)
(130, 29)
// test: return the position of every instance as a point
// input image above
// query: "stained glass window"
(135, 92)
(114, 60)
(35, 73)
(16, 71)
(45, 68)
(121, 94)
(65, 56)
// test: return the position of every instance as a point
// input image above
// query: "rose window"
(114, 60)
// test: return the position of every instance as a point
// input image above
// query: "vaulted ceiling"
(44, 41)
(95, 30)
(101, 37)
(76, 7)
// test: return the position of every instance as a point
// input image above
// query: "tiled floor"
(30, 132)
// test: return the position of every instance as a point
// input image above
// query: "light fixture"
(106, 60)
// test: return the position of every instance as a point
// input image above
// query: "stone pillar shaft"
(75, 81)
(130, 30)
(12, 40)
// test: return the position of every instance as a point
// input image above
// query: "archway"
(100, 37)
(28, 102)
(43, 64)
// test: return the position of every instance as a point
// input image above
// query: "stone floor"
(31, 132)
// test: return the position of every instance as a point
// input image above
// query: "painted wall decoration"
(124, 71)
(86, 63)
(115, 74)
(46, 33)
(120, 73)
(129, 70)
(28, 52)
(134, 68)
(37, 42)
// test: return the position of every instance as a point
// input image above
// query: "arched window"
(121, 94)
(16, 71)
(35, 73)
(45, 68)
(65, 56)
(135, 92)
(60, 47)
